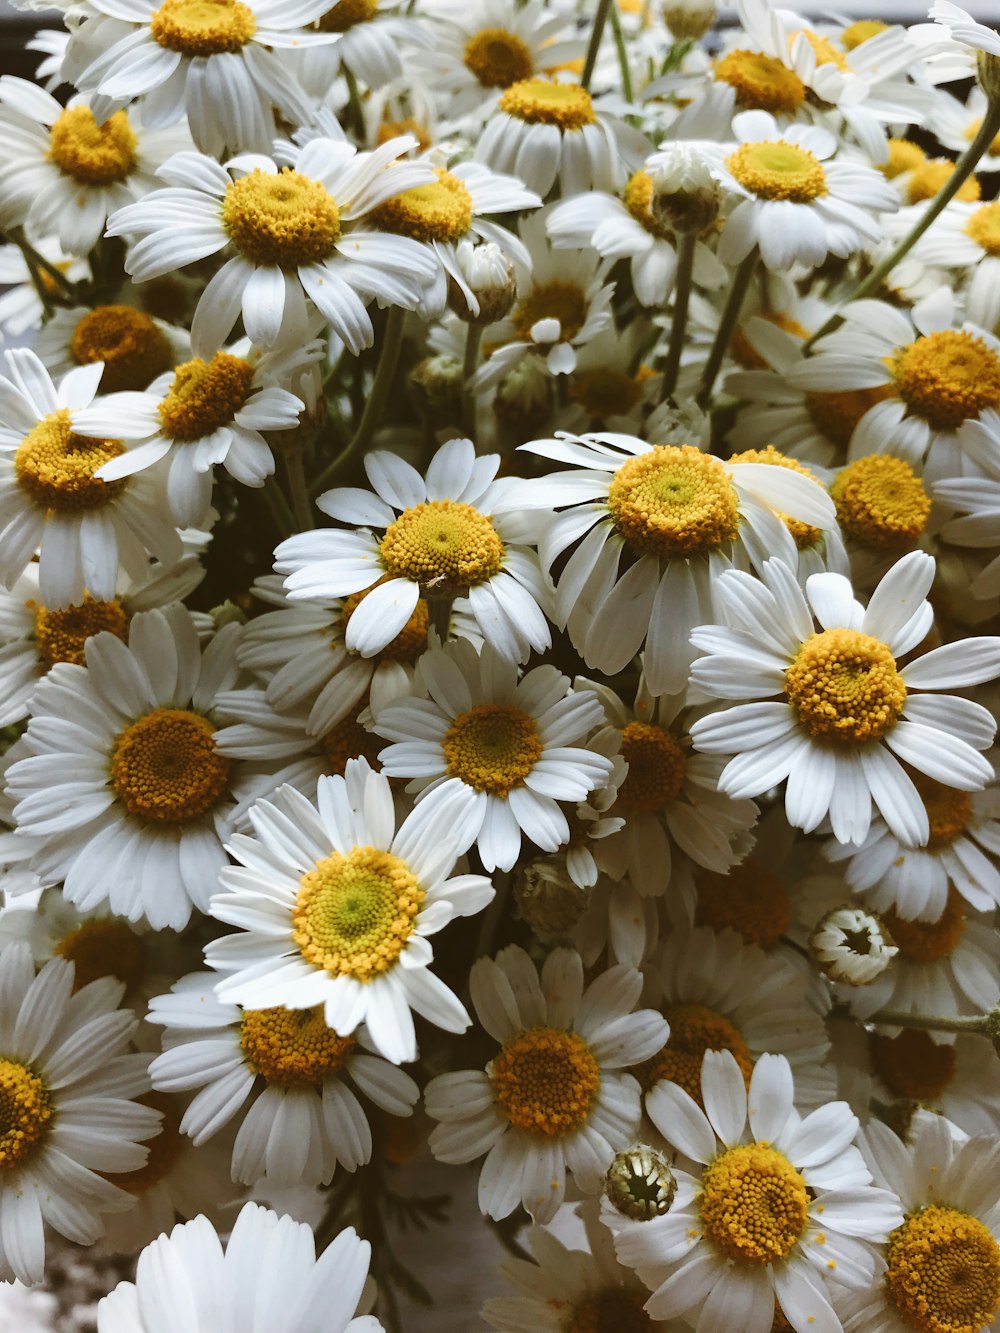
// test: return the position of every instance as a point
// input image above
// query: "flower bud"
(686, 196)
(640, 1183)
(436, 385)
(852, 946)
(689, 19)
(548, 900)
(489, 275)
(988, 74)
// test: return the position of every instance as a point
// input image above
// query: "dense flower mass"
(499, 643)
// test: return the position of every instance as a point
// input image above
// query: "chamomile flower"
(967, 237)
(334, 906)
(21, 306)
(947, 1076)
(554, 1095)
(973, 502)
(964, 29)
(371, 39)
(134, 346)
(956, 124)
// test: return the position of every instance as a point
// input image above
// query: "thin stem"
(284, 519)
(295, 475)
(596, 33)
(439, 611)
(628, 92)
(38, 261)
(356, 110)
(473, 338)
(931, 1022)
(727, 325)
(678, 325)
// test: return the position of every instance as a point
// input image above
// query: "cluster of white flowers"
(500, 535)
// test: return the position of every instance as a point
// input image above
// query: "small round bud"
(640, 1183)
(689, 19)
(489, 275)
(681, 422)
(686, 196)
(307, 385)
(988, 74)
(525, 397)
(548, 900)
(852, 946)
(436, 385)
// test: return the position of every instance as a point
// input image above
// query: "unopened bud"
(436, 385)
(852, 946)
(988, 74)
(681, 422)
(686, 197)
(548, 900)
(689, 19)
(489, 275)
(640, 1183)
(524, 398)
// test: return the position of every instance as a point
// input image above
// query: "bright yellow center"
(674, 501)
(105, 947)
(822, 48)
(836, 415)
(546, 1081)
(948, 810)
(904, 155)
(743, 351)
(947, 377)
(761, 82)
(163, 1148)
(411, 640)
(844, 687)
(913, 1064)
(881, 502)
(92, 154)
(944, 1271)
(131, 345)
(754, 1204)
(748, 900)
(540, 102)
(444, 545)
(604, 393)
(855, 34)
(804, 535)
(558, 299)
(637, 197)
(694, 1029)
(984, 227)
(932, 175)
(346, 13)
(56, 467)
(25, 1111)
(205, 395)
(60, 635)
(498, 58)
(203, 27)
(293, 1048)
(928, 941)
(284, 219)
(353, 914)
(656, 766)
(613, 1311)
(492, 747)
(165, 767)
(441, 211)
(349, 740)
(774, 169)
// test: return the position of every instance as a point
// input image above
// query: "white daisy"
(974, 501)
(956, 124)
(134, 346)
(553, 1095)
(334, 906)
(946, 1077)
(967, 236)
(964, 29)
(21, 307)
(372, 39)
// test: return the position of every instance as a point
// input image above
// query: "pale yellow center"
(346, 14)
(444, 545)
(932, 175)
(674, 501)
(947, 377)
(761, 82)
(984, 227)
(855, 34)
(440, 211)
(804, 534)
(904, 155)
(540, 102)
(881, 502)
(774, 169)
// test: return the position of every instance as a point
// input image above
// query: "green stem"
(34, 260)
(357, 112)
(931, 1022)
(284, 519)
(596, 33)
(678, 325)
(439, 611)
(727, 326)
(473, 338)
(295, 475)
(628, 92)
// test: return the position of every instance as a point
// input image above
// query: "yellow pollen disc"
(539, 102)
(973, 129)
(441, 211)
(411, 640)
(203, 27)
(861, 31)
(293, 1047)
(205, 395)
(822, 48)
(748, 900)
(836, 415)
(346, 14)
(56, 467)
(604, 393)
(444, 545)
(92, 154)
(694, 1029)
(761, 82)
(928, 941)
(284, 219)
(354, 913)
(637, 197)
(25, 1111)
(564, 301)
(392, 129)
(132, 346)
(944, 1271)
(104, 948)
(165, 767)
(947, 377)
(349, 740)
(930, 176)
(60, 635)
(804, 535)
(775, 169)
(492, 747)
(913, 1064)
(881, 502)
(984, 227)
(656, 766)
(614, 1311)
(948, 810)
(674, 501)
(743, 351)
(844, 687)
(546, 1081)
(754, 1204)
(498, 58)
(163, 1148)
(904, 155)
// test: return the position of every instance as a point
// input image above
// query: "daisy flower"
(284, 1073)
(553, 1095)
(21, 307)
(51, 497)
(956, 124)
(459, 531)
(123, 781)
(833, 712)
(777, 1205)
(134, 346)
(334, 906)
(974, 501)
(285, 233)
(681, 515)
(967, 236)
(65, 1054)
(185, 1283)
(947, 1077)
(491, 752)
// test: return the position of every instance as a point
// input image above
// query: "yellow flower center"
(56, 467)
(498, 58)
(92, 154)
(944, 1271)
(284, 218)
(932, 175)
(165, 767)
(804, 535)
(205, 395)
(60, 635)
(836, 415)
(546, 1081)
(349, 740)
(904, 155)
(25, 1111)
(445, 546)
(947, 377)
(353, 914)
(346, 13)
(743, 351)
(881, 502)
(637, 197)
(293, 1048)
(541, 102)
(604, 393)
(844, 687)
(105, 947)
(441, 211)
(392, 129)
(862, 31)
(973, 128)
(561, 300)
(411, 640)
(928, 941)
(656, 767)
(913, 1064)
(132, 346)
(984, 227)
(761, 82)
(492, 747)
(774, 169)
(948, 810)
(614, 1311)
(754, 1204)
(694, 1029)
(674, 501)
(203, 27)
(748, 900)
(163, 1148)
(823, 49)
